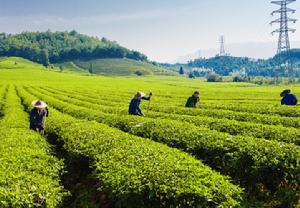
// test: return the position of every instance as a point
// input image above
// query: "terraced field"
(240, 148)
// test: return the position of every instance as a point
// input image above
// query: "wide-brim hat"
(140, 94)
(288, 91)
(39, 104)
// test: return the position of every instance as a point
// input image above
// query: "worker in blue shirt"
(288, 98)
(134, 106)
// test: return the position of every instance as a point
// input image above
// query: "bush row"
(260, 109)
(137, 172)
(29, 175)
(222, 114)
(2, 101)
(233, 127)
(238, 116)
(242, 106)
(255, 163)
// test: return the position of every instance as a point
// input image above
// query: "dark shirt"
(37, 118)
(134, 106)
(192, 102)
(289, 99)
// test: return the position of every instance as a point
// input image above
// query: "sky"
(164, 30)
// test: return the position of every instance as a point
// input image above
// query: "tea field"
(239, 148)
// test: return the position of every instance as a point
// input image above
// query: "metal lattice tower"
(283, 41)
(222, 46)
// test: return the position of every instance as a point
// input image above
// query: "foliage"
(139, 73)
(285, 64)
(240, 130)
(91, 69)
(213, 77)
(262, 161)
(121, 67)
(270, 132)
(181, 71)
(136, 172)
(191, 76)
(46, 47)
(29, 174)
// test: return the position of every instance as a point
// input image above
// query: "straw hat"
(39, 104)
(288, 91)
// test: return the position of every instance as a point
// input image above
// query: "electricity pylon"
(283, 40)
(222, 46)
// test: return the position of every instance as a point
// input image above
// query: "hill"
(18, 63)
(275, 66)
(70, 67)
(61, 49)
(53, 47)
(121, 67)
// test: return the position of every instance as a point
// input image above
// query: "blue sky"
(162, 29)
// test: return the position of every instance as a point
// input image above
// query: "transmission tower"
(222, 46)
(283, 40)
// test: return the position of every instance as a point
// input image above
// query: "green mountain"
(73, 52)
(284, 64)
(53, 47)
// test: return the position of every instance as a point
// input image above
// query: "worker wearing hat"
(38, 115)
(288, 98)
(134, 106)
(193, 100)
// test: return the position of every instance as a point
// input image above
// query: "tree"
(139, 73)
(104, 40)
(191, 75)
(181, 71)
(240, 76)
(73, 33)
(91, 69)
(44, 57)
(213, 77)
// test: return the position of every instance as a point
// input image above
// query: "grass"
(70, 67)
(121, 67)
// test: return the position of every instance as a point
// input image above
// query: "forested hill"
(52, 47)
(226, 65)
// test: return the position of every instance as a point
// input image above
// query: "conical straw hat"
(39, 104)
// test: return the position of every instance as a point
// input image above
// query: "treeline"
(283, 65)
(52, 47)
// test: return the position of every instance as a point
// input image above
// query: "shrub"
(213, 77)
(139, 73)
(137, 172)
(29, 175)
(251, 161)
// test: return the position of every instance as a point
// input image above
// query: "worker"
(38, 116)
(288, 98)
(134, 106)
(193, 100)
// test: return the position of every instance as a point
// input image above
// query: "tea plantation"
(239, 148)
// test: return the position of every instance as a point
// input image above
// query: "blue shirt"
(134, 106)
(289, 99)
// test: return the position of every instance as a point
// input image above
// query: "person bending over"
(134, 106)
(193, 100)
(288, 98)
